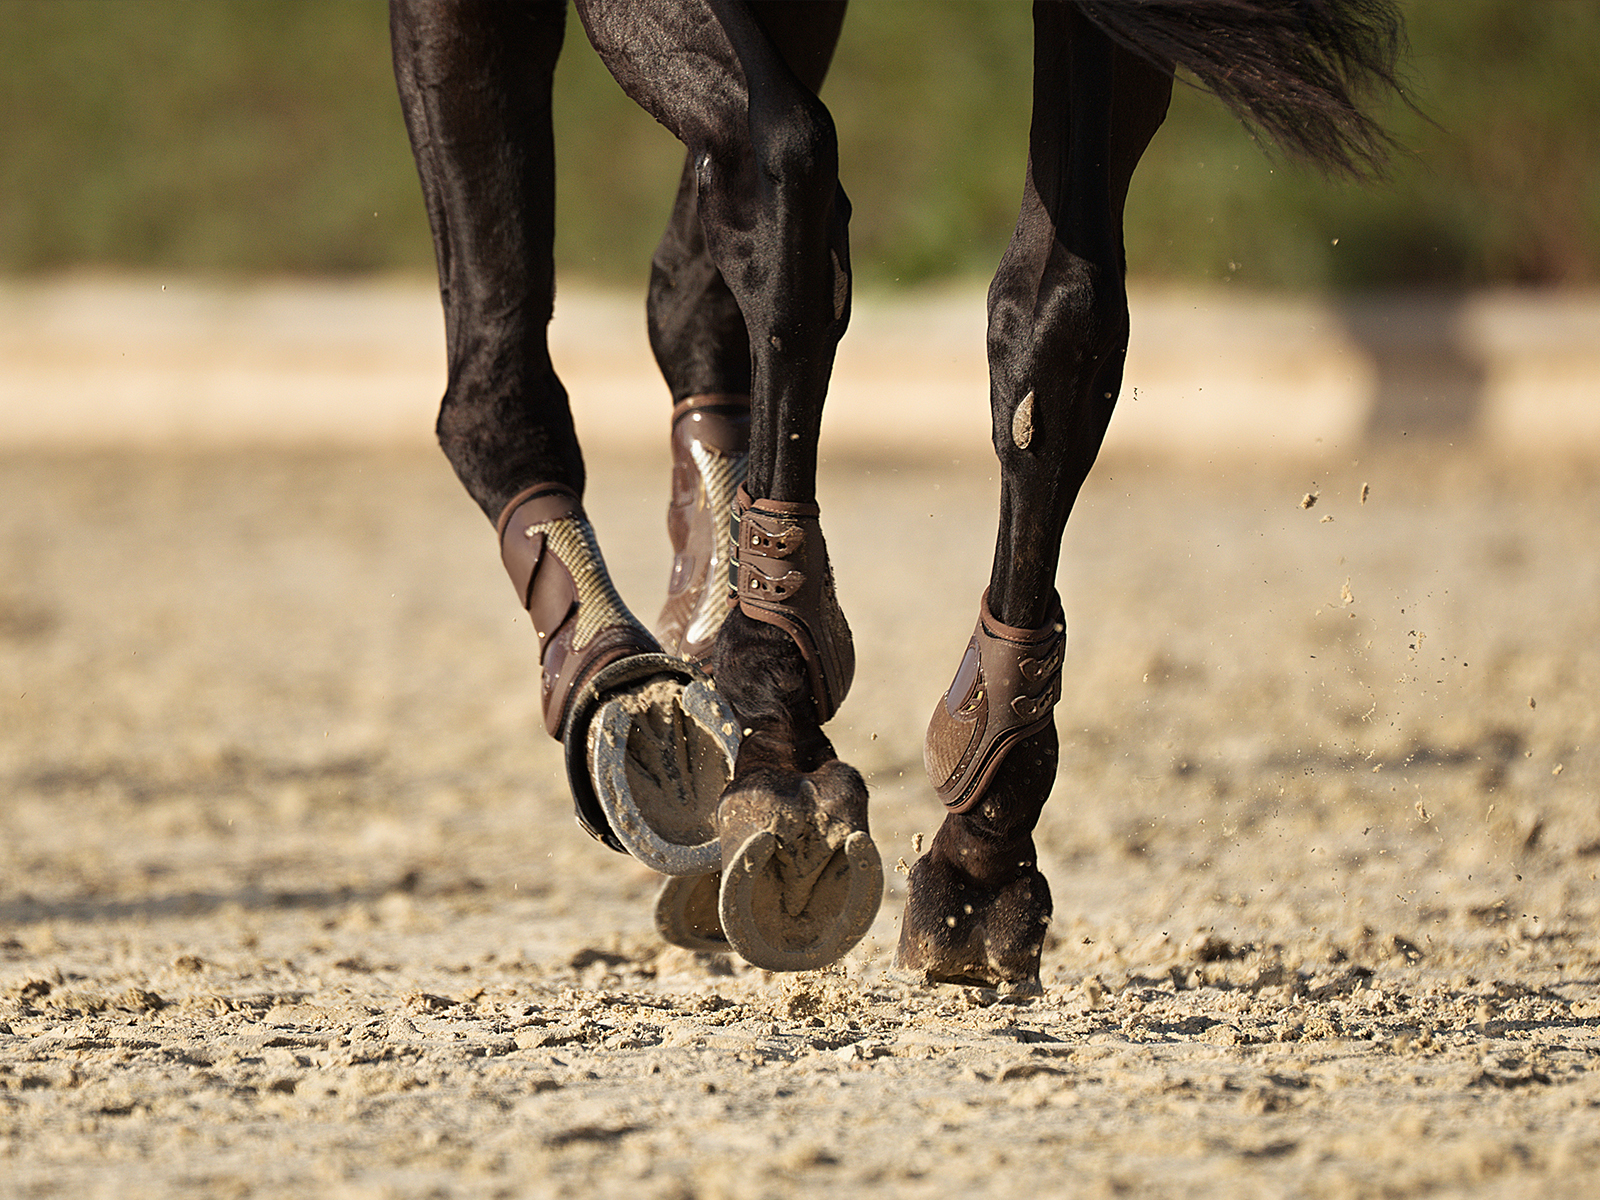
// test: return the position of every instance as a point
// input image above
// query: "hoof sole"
(779, 922)
(660, 755)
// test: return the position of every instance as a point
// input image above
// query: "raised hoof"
(801, 877)
(956, 931)
(686, 913)
(660, 754)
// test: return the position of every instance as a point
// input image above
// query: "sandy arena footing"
(292, 902)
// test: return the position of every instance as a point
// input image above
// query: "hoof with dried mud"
(686, 913)
(649, 753)
(801, 877)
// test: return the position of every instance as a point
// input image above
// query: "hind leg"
(1058, 322)
(698, 336)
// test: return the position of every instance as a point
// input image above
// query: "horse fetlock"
(710, 458)
(784, 579)
(551, 554)
(761, 672)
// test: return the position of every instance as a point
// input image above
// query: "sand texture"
(292, 902)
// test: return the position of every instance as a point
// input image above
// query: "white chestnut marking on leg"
(1022, 423)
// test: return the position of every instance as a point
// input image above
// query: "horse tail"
(1296, 71)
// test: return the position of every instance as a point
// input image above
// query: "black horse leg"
(700, 342)
(474, 79)
(765, 166)
(1058, 328)
(696, 329)
(698, 335)
(475, 83)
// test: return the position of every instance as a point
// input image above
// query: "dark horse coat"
(700, 747)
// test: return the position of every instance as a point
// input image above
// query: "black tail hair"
(1295, 70)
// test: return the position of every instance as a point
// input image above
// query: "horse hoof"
(686, 913)
(801, 877)
(660, 755)
(956, 931)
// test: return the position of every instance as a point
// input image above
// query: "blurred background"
(257, 144)
(248, 137)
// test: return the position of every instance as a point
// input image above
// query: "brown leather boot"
(786, 580)
(710, 456)
(1005, 689)
(549, 550)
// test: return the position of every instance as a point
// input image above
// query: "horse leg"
(702, 347)
(1058, 327)
(801, 878)
(474, 79)
(698, 336)
(700, 344)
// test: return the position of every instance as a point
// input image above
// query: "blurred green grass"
(240, 137)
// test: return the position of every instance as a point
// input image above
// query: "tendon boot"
(785, 580)
(978, 906)
(1005, 689)
(649, 744)
(710, 456)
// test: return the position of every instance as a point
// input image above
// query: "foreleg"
(764, 160)
(1058, 327)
